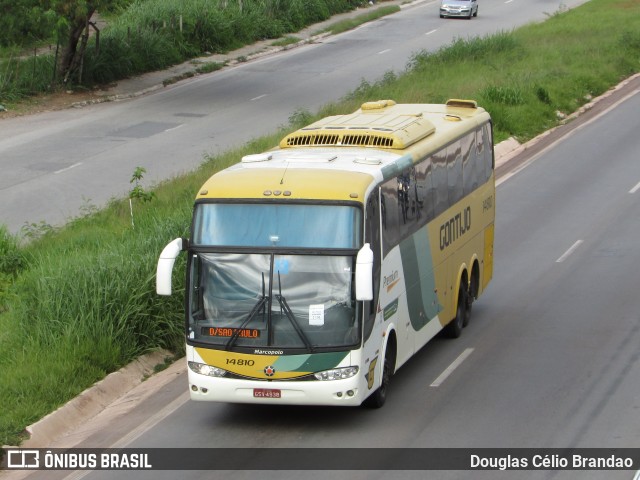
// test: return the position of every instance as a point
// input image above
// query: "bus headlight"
(337, 373)
(204, 369)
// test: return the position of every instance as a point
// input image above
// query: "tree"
(23, 22)
(73, 27)
(73, 21)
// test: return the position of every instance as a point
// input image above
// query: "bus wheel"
(468, 301)
(463, 311)
(379, 397)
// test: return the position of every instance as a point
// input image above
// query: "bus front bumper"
(344, 392)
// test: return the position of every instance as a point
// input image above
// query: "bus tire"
(378, 398)
(463, 311)
(468, 302)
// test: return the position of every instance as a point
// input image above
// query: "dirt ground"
(52, 101)
(58, 100)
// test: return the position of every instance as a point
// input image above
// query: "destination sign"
(229, 332)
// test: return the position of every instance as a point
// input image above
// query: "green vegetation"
(352, 23)
(146, 35)
(285, 41)
(79, 302)
(200, 68)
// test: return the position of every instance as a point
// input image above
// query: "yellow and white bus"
(318, 268)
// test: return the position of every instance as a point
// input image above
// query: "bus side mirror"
(165, 265)
(364, 274)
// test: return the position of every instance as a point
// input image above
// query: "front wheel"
(378, 398)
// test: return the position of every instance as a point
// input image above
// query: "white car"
(459, 8)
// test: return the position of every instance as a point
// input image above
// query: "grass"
(200, 69)
(352, 23)
(285, 41)
(79, 302)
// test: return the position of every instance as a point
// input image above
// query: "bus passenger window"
(454, 172)
(472, 169)
(390, 211)
(372, 236)
(441, 196)
(424, 192)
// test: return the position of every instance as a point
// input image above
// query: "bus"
(318, 268)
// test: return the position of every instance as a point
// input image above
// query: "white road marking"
(572, 249)
(449, 370)
(142, 428)
(258, 97)
(67, 168)
(384, 51)
(635, 189)
(174, 128)
(431, 31)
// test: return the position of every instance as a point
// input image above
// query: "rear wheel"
(468, 300)
(463, 313)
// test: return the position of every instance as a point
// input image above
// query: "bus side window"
(454, 172)
(391, 214)
(409, 203)
(488, 140)
(472, 167)
(372, 236)
(441, 194)
(197, 305)
(484, 151)
(426, 193)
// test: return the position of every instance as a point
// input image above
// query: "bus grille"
(312, 140)
(365, 140)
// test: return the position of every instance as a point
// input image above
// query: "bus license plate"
(266, 393)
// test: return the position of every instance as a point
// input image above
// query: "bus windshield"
(277, 225)
(272, 300)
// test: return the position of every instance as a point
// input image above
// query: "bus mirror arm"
(364, 274)
(165, 265)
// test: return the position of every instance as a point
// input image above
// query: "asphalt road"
(57, 164)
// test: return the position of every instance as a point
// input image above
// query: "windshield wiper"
(254, 311)
(284, 306)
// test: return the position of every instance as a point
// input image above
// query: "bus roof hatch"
(381, 124)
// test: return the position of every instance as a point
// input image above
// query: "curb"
(93, 400)
(505, 150)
